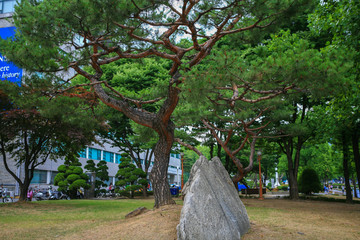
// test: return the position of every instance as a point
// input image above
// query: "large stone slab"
(212, 208)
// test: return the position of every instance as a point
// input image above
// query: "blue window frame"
(117, 159)
(53, 174)
(40, 176)
(82, 154)
(108, 156)
(7, 6)
(94, 154)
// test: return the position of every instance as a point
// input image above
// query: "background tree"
(134, 78)
(322, 157)
(71, 176)
(338, 119)
(339, 19)
(241, 91)
(114, 30)
(130, 177)
(101, 173)
(34, 129)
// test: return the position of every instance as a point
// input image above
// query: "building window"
(108, 156)
(53, 174)
(94, 154)
(118, 157)
(40, 176)
(108, 182)
(83, 153)
(7, 6)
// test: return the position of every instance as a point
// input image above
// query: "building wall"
(44, 174)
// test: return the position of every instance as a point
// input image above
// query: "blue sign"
(8, 71)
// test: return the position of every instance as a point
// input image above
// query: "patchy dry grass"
(104, 219)
(285, 219)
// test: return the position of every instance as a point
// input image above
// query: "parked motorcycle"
(63, 196)
(41, 195)
(4, 195)
(49, 195)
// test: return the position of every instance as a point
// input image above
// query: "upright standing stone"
(212, 207)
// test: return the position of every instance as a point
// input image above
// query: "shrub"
(130, 178)
(309, 182)
(283, 187)
(101, 172)
(70, 177)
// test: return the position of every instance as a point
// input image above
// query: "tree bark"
(355, 146)
(354, 184)
(23, 185)
(293, 165)
(158, 175)
(227, 163)
(211, 150)
(219, 150)
(346, 158)
(293, 184)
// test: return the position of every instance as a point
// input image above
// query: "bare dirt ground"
(270, 219)
(159, 224)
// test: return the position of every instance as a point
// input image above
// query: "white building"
(44, 174)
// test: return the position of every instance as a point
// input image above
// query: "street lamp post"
(260, 182)
(182, 170)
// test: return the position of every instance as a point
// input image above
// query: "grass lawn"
(104, 219)
(52, 219)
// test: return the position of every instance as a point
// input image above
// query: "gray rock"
(136, 212)
(212, 208)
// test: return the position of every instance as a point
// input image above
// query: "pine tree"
(130, 177)
(71, 176)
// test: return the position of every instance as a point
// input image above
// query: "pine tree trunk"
(293, 184)
(144, 191)
(227, 163)
(219, 151)
(355, 146)
(346, 168)
(211, 150)
(158, 175)
(354, 184)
